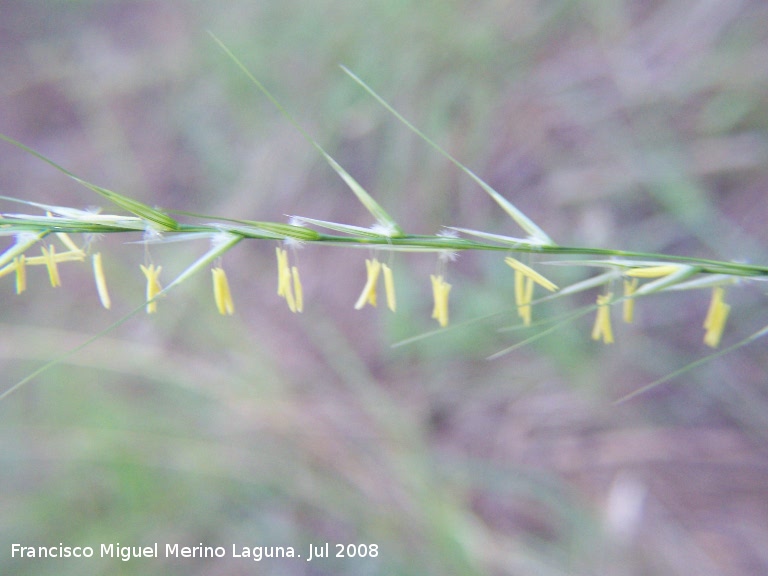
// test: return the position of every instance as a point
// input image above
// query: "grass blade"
(381, 215)
(536, 233)
(161, 219)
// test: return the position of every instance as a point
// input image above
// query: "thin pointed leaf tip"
(537, 235)
(383, 219)
(159, 219)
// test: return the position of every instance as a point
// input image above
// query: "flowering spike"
(101, 281)
(21, 273)
(717, 314)
(389, 287)
(297, 289)
(49, 256)
(368, 295)
(628, 308)
(602, 328)
(221, 293)
(154, 288)
(440, 290)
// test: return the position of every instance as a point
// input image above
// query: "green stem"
(408, 242)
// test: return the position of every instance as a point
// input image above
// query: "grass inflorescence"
(630, 275)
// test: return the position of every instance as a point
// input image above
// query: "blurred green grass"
(627, 125)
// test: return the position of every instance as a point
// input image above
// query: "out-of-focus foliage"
(637, 125)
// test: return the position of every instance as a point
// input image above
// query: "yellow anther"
(67, 241)
(440, 291)
(525, 277)
(17, 266)
(297, 289)
(368, 295)
(523, 296)
(282, 265)
(154, 288)
(520, 293)
(628, 306)
(58, 258)
(602, 328)
(653, 271)
(284, 286)
(389, 287)
(49, 256)
(101, 281)
(717, 314)
(525, 310)
(221, 294)
(529, 272)
(716, 300)
(21, 273)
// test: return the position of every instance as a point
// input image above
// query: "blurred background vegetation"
(629, 124)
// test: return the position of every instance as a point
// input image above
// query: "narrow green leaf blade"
(517, 215)
(381, 215)
(161, 219)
